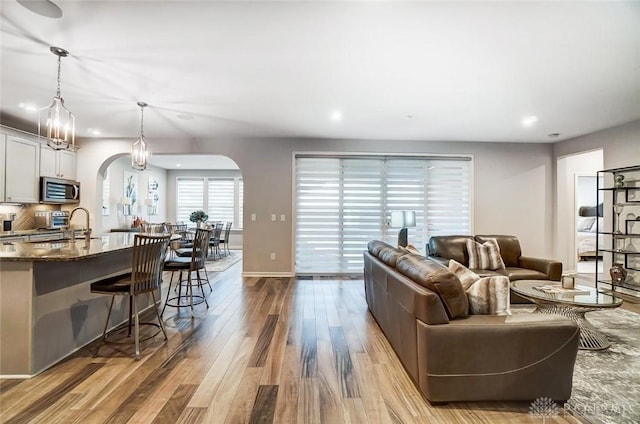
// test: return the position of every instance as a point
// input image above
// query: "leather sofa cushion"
(509, 247)
(438, 279)
(450, 247)
(515, 273)
(385, 252)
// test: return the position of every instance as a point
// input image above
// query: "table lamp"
(403, 219)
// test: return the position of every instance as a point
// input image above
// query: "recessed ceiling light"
(529, 120)
(27, 107)
(177, 165)
(553, 135)
(45, 8)
(335, 116)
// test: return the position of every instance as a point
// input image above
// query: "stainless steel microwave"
(58, 191)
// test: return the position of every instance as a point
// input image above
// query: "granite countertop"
(22, 233)
(65, 250)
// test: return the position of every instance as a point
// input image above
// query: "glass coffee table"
(551, 298)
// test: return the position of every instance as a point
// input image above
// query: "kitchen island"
(47, 310)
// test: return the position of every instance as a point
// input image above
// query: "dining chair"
(193, 263)
(224, 239)
(146, 276)
(214, 241)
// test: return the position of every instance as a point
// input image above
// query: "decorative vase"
(618, 273)
(619, 180)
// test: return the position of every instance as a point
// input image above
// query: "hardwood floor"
(279, 350)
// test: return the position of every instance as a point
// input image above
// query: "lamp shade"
(402, 219)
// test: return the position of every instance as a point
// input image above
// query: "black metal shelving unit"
(620, 191)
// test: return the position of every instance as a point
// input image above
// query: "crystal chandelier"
(55, 122)
(139, 151)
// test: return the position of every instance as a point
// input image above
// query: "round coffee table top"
(552, 292)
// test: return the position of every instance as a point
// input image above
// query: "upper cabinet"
(22, 170)
(57, 163)
(3, 144)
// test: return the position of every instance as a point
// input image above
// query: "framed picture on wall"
(153, 195)
(131, 188)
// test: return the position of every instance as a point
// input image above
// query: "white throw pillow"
(489, 296)
(484, 256)
(464, 274)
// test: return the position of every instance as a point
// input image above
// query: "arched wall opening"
(124, 194)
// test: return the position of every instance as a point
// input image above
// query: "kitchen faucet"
(87, 232)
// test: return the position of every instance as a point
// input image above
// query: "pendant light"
(139, 151)
(55, 122)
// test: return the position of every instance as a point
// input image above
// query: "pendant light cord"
(59, 67)
(141, 121)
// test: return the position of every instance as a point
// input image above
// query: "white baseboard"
(16, 376)
(267, 274)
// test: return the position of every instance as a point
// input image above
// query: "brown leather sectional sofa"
(478, 358)
(517, 267)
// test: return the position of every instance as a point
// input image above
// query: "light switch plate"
(283, 217)
(253, 216)
(273, 216)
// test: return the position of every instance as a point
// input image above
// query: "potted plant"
(199, 217)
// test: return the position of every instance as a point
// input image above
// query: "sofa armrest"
(440, 260)
(553, 269)
(519, 357)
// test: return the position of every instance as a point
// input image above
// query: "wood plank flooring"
(267, 350)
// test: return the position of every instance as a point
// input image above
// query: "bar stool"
(146, 275)
(195, 262)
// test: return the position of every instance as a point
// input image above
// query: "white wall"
(116, 219)
(568, 167)
(620, 146)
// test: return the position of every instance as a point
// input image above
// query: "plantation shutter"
(190, 197)
(238, 222)
(221, 199)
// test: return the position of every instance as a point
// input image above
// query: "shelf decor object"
(139, 150)
(55, 122)
(620, 243)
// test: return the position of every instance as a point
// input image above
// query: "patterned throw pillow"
(489, 296)
(464, 274)
(484, 256)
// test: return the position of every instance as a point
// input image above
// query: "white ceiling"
(395, 70)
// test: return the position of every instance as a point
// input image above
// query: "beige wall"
(513, 186)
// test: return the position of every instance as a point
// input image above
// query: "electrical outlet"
(253, 216)
(273, 256)
(283, 217)
(273, 216)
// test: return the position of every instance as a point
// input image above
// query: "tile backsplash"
(24, 214)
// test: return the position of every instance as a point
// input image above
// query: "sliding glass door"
(342, 202)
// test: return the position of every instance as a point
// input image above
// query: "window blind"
(343, 202)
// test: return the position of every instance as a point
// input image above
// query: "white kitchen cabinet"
(57, 163)
(3, 146)
(22, 170)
